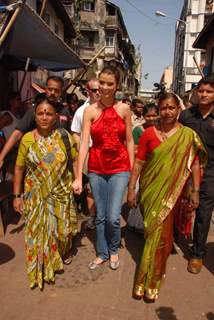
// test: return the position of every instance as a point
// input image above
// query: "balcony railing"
(111, 21)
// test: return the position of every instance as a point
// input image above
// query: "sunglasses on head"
(94, 90)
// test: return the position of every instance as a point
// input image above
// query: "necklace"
(105, 106)
(166, 135)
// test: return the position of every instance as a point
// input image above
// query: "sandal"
(94, 265)
(151, 295)
(138, 292)
(67, 259)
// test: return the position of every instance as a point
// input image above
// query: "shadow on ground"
(166, 313)
(209, 259)
(210, 316)
(9, 216)
(6, 253)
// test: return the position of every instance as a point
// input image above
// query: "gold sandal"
(138, 292)
(151, 295)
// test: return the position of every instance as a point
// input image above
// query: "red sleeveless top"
(108, 154)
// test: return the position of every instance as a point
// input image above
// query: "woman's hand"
(131, 197)
(77, 186)
(194, 199)
(18, 205)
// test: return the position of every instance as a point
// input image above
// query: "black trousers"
(203, 214)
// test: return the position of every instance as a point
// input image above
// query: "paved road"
(102, 294)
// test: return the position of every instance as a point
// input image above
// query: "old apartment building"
(99, 24)
(37, 43)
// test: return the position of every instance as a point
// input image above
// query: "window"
(47, 18)
(111, 10)
(88, 5)
(56, 28)
(88, 39)
(110, 38)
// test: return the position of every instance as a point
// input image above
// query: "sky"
(154, 35)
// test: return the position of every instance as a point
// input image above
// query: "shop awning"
(31, 37)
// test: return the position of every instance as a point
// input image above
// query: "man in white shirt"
(93, 95)
(76, 128)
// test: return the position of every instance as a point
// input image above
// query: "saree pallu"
(161, 184)
(49, 209)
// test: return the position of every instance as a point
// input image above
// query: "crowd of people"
(153, 155)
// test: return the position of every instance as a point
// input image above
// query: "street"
(102, 294)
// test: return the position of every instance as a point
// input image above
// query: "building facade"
(195, 14)
(205, 40)
(99, 24)
(166, 78)
(58, 35)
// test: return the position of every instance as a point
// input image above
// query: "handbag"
(135, 220)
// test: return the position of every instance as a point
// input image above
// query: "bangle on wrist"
(17, 195)
(131, 187)
(195, 190)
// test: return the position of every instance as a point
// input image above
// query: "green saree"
(49, 209)
(162, 182)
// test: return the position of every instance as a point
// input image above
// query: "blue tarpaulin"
(30, 37)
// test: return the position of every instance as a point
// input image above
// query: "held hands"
(77, 186)
(194, 199)
(131, 197)
(18, 205)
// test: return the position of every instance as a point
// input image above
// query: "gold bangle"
(195, 190)
(131, 187)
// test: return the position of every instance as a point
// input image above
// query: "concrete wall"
(55, 21)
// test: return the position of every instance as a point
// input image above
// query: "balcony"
(88, 17)
(111, 22)
(111, 52)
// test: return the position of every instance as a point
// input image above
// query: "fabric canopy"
(30, 37)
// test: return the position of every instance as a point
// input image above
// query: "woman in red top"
(110, 161)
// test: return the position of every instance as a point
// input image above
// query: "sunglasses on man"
(94, 90)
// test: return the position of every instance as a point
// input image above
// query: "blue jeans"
(108, 192)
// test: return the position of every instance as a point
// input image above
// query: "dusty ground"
(102, 294)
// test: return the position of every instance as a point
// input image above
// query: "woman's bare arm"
(13, 139)
(136, 171)
(129, 136)
(196, 179)
(84, 144)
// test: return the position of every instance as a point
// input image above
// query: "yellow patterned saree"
(49, 209)
(162, 182)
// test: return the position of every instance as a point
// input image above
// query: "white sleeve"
(76, 125)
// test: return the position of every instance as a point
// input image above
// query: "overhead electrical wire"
(144, 14)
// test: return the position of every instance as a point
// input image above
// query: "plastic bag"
(135, 220)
